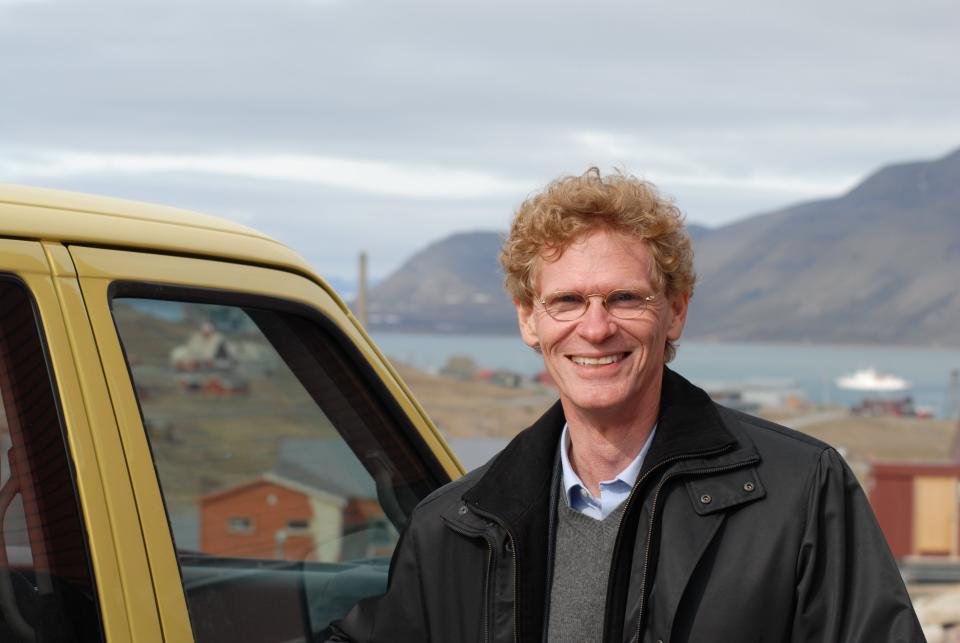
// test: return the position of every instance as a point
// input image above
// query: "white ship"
(870, 379)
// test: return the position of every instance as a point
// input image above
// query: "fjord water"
(811, 368)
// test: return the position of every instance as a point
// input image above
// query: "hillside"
(876, 265)
(452, 285)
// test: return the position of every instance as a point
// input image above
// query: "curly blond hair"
(571, 206)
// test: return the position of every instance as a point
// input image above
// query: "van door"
(51, 550)
(273, 454)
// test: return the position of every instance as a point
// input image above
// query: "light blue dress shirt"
(612, 492)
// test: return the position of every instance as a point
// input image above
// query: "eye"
(565, 298)
(563, 302)
(626, 297)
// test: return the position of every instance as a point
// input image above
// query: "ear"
(678, 315)
(528, 324)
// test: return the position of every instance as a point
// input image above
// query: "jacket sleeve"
(848, 585)
(397, 615)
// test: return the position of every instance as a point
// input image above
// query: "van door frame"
(99, 270)
(47, 272)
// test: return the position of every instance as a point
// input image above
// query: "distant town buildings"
(204, 349)
(897, 407)
(313, 506)
(210, 364)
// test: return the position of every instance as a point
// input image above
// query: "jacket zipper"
(516, 572)
(486, 593)
(491, 557)
(653, 514)
(516, 589)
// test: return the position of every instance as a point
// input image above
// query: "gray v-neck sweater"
(581, 565)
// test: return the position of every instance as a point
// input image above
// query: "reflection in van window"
(285, 481)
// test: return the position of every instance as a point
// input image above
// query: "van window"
(285, 478)
(46, 587)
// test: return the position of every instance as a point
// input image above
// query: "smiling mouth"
(598, 361)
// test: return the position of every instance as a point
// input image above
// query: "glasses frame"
(604, 297)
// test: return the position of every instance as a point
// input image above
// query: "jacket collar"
(688, 424)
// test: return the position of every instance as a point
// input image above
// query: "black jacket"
(737, 530)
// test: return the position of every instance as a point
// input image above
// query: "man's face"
(603, 364)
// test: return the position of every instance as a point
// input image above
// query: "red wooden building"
(271, 517)
(918, 507)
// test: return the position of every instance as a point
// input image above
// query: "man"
(635, 509)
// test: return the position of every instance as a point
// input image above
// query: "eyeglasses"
(568, 305)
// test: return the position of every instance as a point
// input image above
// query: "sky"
(382, 125)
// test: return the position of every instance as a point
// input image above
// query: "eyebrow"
(583, 291)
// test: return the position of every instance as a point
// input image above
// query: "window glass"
(46, 586)
(285, 479)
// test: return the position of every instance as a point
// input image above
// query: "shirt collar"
(628, 476)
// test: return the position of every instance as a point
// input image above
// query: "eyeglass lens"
(567, 306)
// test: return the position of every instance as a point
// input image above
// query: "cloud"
(410, 120)
(361, 175)
(677, 166)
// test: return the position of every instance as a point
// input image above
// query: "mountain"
(452, 285)
(879, 264)
(697, 231)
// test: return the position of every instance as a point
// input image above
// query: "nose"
(597, 324)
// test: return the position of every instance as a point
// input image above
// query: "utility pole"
(953, 412)
(952, 409)
(362, 290)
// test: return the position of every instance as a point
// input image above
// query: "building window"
(240, 525)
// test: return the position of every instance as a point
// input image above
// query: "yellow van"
(198, 441)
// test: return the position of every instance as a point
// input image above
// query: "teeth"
(598, 361)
